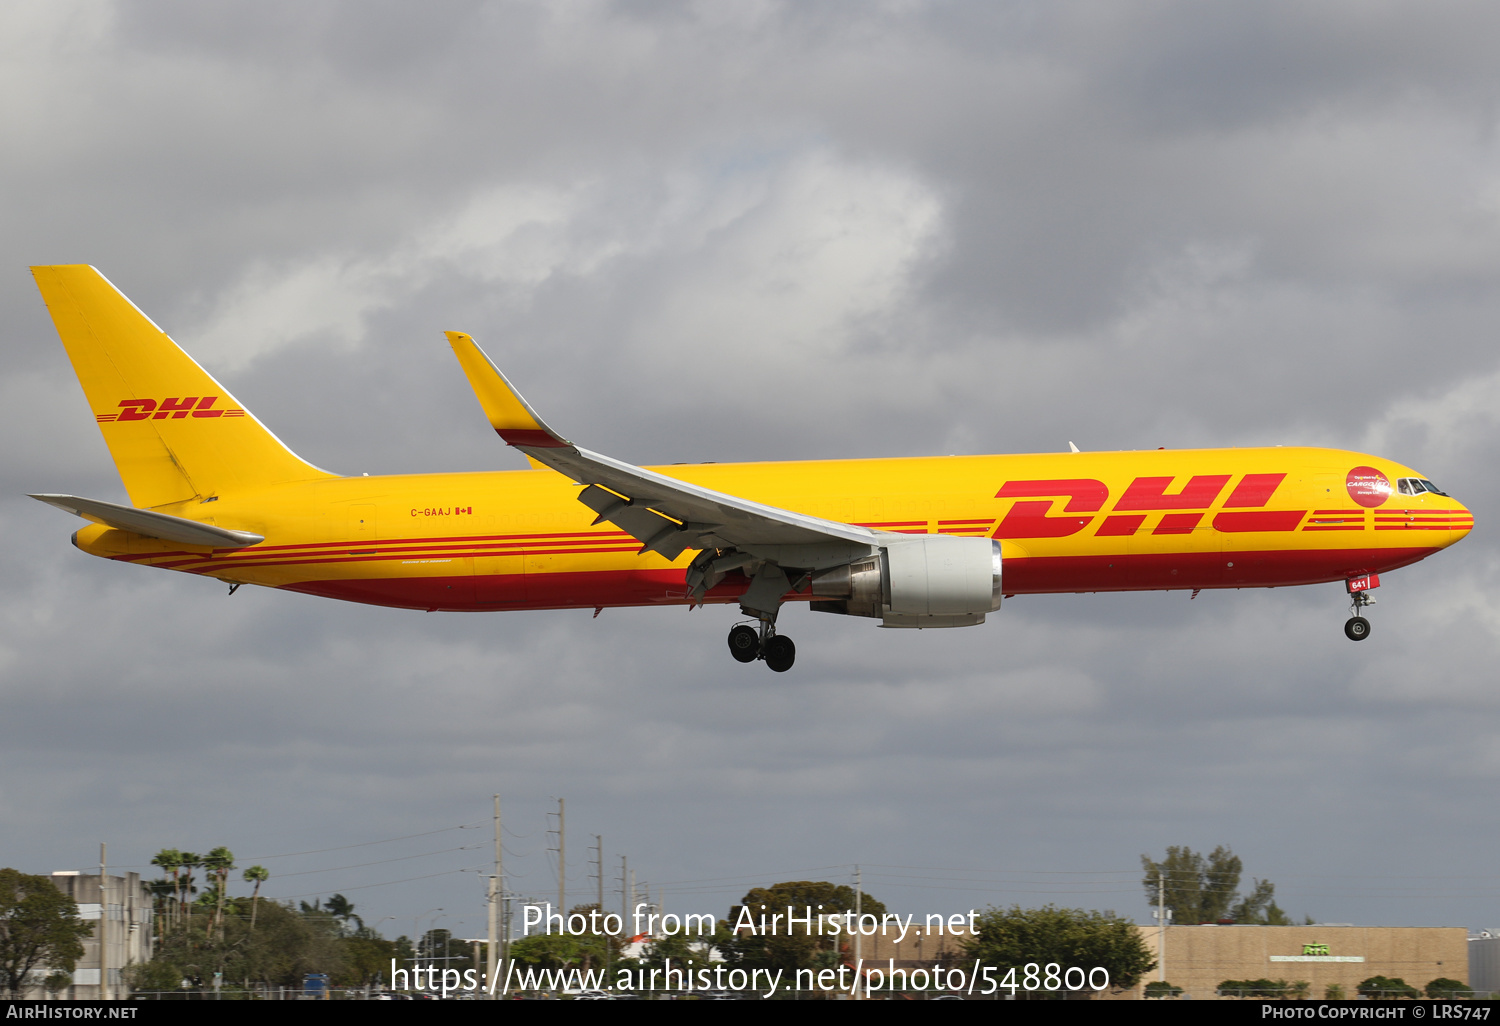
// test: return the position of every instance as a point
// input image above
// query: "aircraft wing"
(666, 515)
(152, 525)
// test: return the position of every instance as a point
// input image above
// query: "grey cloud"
(774, 232)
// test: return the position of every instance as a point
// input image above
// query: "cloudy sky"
(765, 231)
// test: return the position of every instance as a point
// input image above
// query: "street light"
(416, 931)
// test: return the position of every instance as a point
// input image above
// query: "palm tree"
(170, 860)
(218, 863)
(342, 908)
(259, 874)
(161, 891)
(190, 862)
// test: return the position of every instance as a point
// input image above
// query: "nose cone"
(1460, 522)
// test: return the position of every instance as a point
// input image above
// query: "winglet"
(511, 416)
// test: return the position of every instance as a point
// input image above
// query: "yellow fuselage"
(1120, 521)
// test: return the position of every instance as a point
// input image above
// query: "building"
(1199, 958)
(122, 933)
(1484, 962)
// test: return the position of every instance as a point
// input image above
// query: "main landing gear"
(747, 644)
(762, 601)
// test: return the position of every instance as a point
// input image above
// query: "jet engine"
(926, 581)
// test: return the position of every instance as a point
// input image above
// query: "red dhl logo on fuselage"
(174, 407)
(1243, 511)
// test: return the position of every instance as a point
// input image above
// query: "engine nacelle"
(925, 581)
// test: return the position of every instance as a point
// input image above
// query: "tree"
(677, 950)
(406, 952)
(283, 948)
(440, 949)
(1259, 907)
(790, 948)
(39, 927)
(189, 861)
(1203, 889)
(367, 959)
(163, 898)
(258, 874)
(560, 950)
(1263, 988)
(592, 949)
(1161, 990)
(1444, 988)
(169, 860)
(154, 975)
(342, 909)
(1068, 936)
(218, 863)
(1386, 987)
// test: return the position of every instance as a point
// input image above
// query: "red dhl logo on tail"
(175, 408)
(1243, 509)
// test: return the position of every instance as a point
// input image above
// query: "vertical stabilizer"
(174, 432)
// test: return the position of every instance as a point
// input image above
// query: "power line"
(380, 862)
(342, 847)
(388, 883)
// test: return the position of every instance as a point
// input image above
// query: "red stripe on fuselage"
(198, 564)
(1022, 576)
(581, 590)
(1037, 575)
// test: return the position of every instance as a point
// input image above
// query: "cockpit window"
(1416, 486)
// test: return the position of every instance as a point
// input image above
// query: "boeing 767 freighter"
(933, 542)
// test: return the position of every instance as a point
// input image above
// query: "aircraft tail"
(174, 432)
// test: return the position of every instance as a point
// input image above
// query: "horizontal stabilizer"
(152, 525)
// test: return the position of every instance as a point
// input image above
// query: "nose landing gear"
(1357, 628)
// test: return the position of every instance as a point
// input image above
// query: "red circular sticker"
(1367, 486)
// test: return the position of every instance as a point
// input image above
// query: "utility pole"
(859, 934)
(492, 952)
(562, 858)
(599, 848)
(624, 897)
(103, 926)
(1162, 915)
(609, 951)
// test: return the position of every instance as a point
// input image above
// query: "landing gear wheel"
(780, 653)
(1357, 628)
(744, 644)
